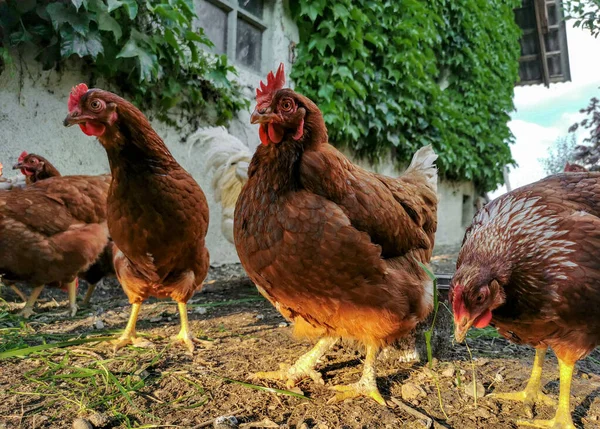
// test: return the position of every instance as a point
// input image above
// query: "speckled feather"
(54, 229)
(332, 245)
(542, 243)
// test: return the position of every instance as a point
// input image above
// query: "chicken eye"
(287, 105)
(96, 105)
(480, 298)
(34, 161)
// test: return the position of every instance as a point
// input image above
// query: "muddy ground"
(164, 387)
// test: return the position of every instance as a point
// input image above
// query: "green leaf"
(130, 5)
(79, 3)
(147, 60)
(24, 6)
(74, 43)
(61, 14)
(108, 23)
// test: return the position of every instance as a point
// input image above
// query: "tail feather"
(423, 162)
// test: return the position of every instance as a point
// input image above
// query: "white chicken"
(227, 158)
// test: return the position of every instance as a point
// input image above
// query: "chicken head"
(91, 109)
(472, 304)
(281, 111)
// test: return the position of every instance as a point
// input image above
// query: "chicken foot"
(366, 386)
(27, 311)
(562, 419)
(533, 391)
(303, 368)
(184, 336)
(129, 336)
(18, 292)
(88, 294)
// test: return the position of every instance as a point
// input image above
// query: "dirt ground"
(163, 387)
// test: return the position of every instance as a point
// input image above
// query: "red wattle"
(275, 133)
(483, 320)
(262, 133)
(92, 128)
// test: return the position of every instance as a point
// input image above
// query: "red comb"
(22, 156)
(274, 83)
(76, 94)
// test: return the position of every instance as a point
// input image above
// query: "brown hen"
(35, 168)
(333, 246)
(529, 266)
(51, 231)
(157, 213)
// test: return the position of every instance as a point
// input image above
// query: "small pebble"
(99, 420)
(200, 310)
(225, 422)
(411, 391)
(82, 424)
(155, 319)
(449, 371)
(260, 316)
(482, 413)
(480, 389)
(99, 324)
(282, 325)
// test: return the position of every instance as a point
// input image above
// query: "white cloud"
(538, 103)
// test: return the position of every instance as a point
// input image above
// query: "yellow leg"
(129, 336)
(562, 419)
(366, 386)
(303, 368)
(185, 336)
(72, 291)
(88, 294)
(27, 311)
(533, 391)
(18, 292)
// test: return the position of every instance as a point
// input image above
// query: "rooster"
(529, 267)
(333, 247)
(51, 231)
(228, 159)
(157, 213)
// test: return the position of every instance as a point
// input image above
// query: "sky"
(544, 114)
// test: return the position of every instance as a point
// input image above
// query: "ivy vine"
(148, 50)
(396, 75)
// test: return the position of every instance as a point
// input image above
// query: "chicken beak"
(72, 119)
(17, 166)
(461, 328)
(263, 117)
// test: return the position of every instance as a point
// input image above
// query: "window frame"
(233, 9)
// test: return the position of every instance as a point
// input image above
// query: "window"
(236, 27)
(544, 55)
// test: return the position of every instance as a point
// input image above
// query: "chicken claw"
(303, 368)
(361, 388)
(184, 336)
(129, 336)
(291, 374)
(366, 386)
(533, 391)
(27, 311)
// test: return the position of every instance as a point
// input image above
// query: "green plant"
(396, 75)
(561, 152)
(585, 13)
(148, 50)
